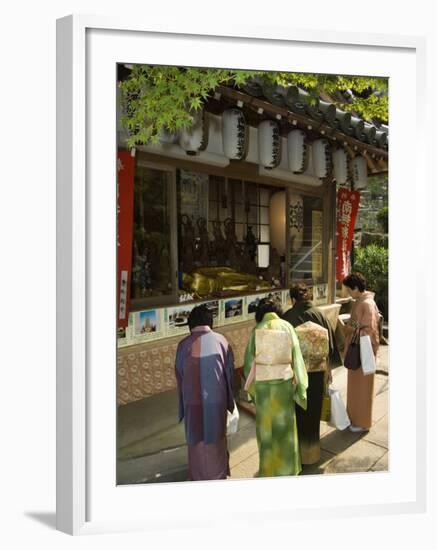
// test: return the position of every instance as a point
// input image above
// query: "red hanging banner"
(125, 208)
(347, 210)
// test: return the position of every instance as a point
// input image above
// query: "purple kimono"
(204, 372)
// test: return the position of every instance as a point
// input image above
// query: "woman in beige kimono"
(365, 316)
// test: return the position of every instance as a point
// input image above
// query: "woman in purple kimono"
(204, 373)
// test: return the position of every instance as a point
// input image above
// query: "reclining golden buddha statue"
(205, 281)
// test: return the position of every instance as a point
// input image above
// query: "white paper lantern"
(340, 161)
(278, 222)
(234, 134)
(269, 144)
(194, 138)
(321, 158)
(297, 151)
(359, 172)
(296, 221)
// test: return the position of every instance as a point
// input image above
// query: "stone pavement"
(160, 455)
(341, 451)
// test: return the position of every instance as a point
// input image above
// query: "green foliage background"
(382, 218)
(372, 262)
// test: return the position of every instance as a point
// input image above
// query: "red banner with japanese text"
(125, 209)
(347, 210)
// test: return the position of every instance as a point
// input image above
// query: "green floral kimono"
(276, 429)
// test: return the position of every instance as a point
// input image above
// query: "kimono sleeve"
(369, 318)
(249, 356)
(300, 394)
(179, 377)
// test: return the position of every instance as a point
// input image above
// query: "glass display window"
(197, 236)
(153, 254)
(218, 241)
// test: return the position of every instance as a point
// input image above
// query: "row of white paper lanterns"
(235, 145)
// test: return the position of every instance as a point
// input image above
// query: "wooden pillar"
(332, 209)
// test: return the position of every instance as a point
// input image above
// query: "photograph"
(233, 308)
(252, 303)
(146, 322)
(144, 326)
(320, 293)
(214, 308)
(289, 354)
(178, 317)
(276, 296)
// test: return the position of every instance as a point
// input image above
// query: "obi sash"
(314, 345)
(273, 355)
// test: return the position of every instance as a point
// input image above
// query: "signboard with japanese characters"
(125, 205)
(347, 210)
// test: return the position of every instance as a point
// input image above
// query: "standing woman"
(365, 317)
(276, 379)
(320, 353)
(204, 373)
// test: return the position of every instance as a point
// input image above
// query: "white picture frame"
(87, 499)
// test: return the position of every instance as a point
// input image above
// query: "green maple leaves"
(155, 98)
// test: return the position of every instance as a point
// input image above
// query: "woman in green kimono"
(275, 387)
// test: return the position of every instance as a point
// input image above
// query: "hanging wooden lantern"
(296, 221)
(234, 134)
(340, 161)
(321, 158)
(359, 172)
(278, 222)
(195, 138)
(269, 144)
(297, 151)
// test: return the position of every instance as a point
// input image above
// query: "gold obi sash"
(314, 345)
(273, 355)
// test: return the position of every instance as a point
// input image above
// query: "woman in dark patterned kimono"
(318, 364)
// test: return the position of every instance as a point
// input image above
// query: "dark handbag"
(352, 359)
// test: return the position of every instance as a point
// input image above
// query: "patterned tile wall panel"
(146, 369)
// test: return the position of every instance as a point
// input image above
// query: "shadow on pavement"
(337, 441)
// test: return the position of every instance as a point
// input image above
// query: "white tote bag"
(339, 417)
(232, 421)
(366, 354)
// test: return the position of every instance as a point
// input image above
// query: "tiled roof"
(296, 100)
